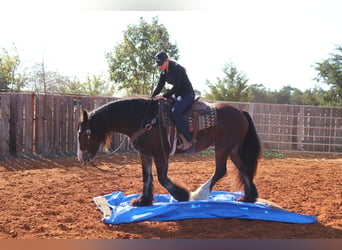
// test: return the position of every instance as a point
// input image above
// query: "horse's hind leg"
(178, 192)
(146, 199)
(246, 177)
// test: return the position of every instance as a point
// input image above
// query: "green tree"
(131, 63)
(283, 96)
(332, 97)
(313, 96)
(10, 79)
(44, 81)
(232, 87)
(296, 97)
(261, 94)
(96, 85)
(71, 86)
(330, 72)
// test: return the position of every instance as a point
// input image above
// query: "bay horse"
(234, 135)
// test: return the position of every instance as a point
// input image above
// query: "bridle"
(90, 155)
(88, 133)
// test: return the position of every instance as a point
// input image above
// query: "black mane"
(127, 115)
(131, 108)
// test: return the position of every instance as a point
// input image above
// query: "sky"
(275, 43)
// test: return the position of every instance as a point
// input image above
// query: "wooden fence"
(33, 124)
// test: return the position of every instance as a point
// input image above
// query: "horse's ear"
(85, 115)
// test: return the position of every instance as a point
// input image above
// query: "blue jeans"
(182, 104)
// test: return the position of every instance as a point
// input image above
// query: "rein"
(141, 131)
(106, 155)
(135, 136)
(107, 170)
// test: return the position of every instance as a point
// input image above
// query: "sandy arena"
(49, 198)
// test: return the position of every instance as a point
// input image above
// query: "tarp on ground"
(117, 209)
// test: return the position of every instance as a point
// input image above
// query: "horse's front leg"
(146, 199)
(178, 192)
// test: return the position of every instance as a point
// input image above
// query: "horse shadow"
(227, 229)
(50, 161)
(20, 163)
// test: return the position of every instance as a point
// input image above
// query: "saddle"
(201, 115)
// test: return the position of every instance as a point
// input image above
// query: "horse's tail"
(250, 149)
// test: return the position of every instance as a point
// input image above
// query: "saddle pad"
(201, 115)
(117, 209)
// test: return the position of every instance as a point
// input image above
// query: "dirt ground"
(53, 198)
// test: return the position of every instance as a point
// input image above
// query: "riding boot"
(185, 134)
(185, 146)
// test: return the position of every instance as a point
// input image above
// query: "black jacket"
(176, 76)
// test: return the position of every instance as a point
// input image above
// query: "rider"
(175, 74)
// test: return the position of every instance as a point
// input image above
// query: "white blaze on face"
(79, 152)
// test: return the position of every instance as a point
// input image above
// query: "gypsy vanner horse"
(233, 136)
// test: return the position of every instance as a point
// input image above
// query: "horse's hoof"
(141, 202)
(202, 193)
(248, 199)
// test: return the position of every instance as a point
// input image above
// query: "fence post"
(300, 128)
(4, 124)
(251, 109)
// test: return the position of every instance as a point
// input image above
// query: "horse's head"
(89, 139)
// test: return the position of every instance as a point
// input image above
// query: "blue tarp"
(219, 205)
